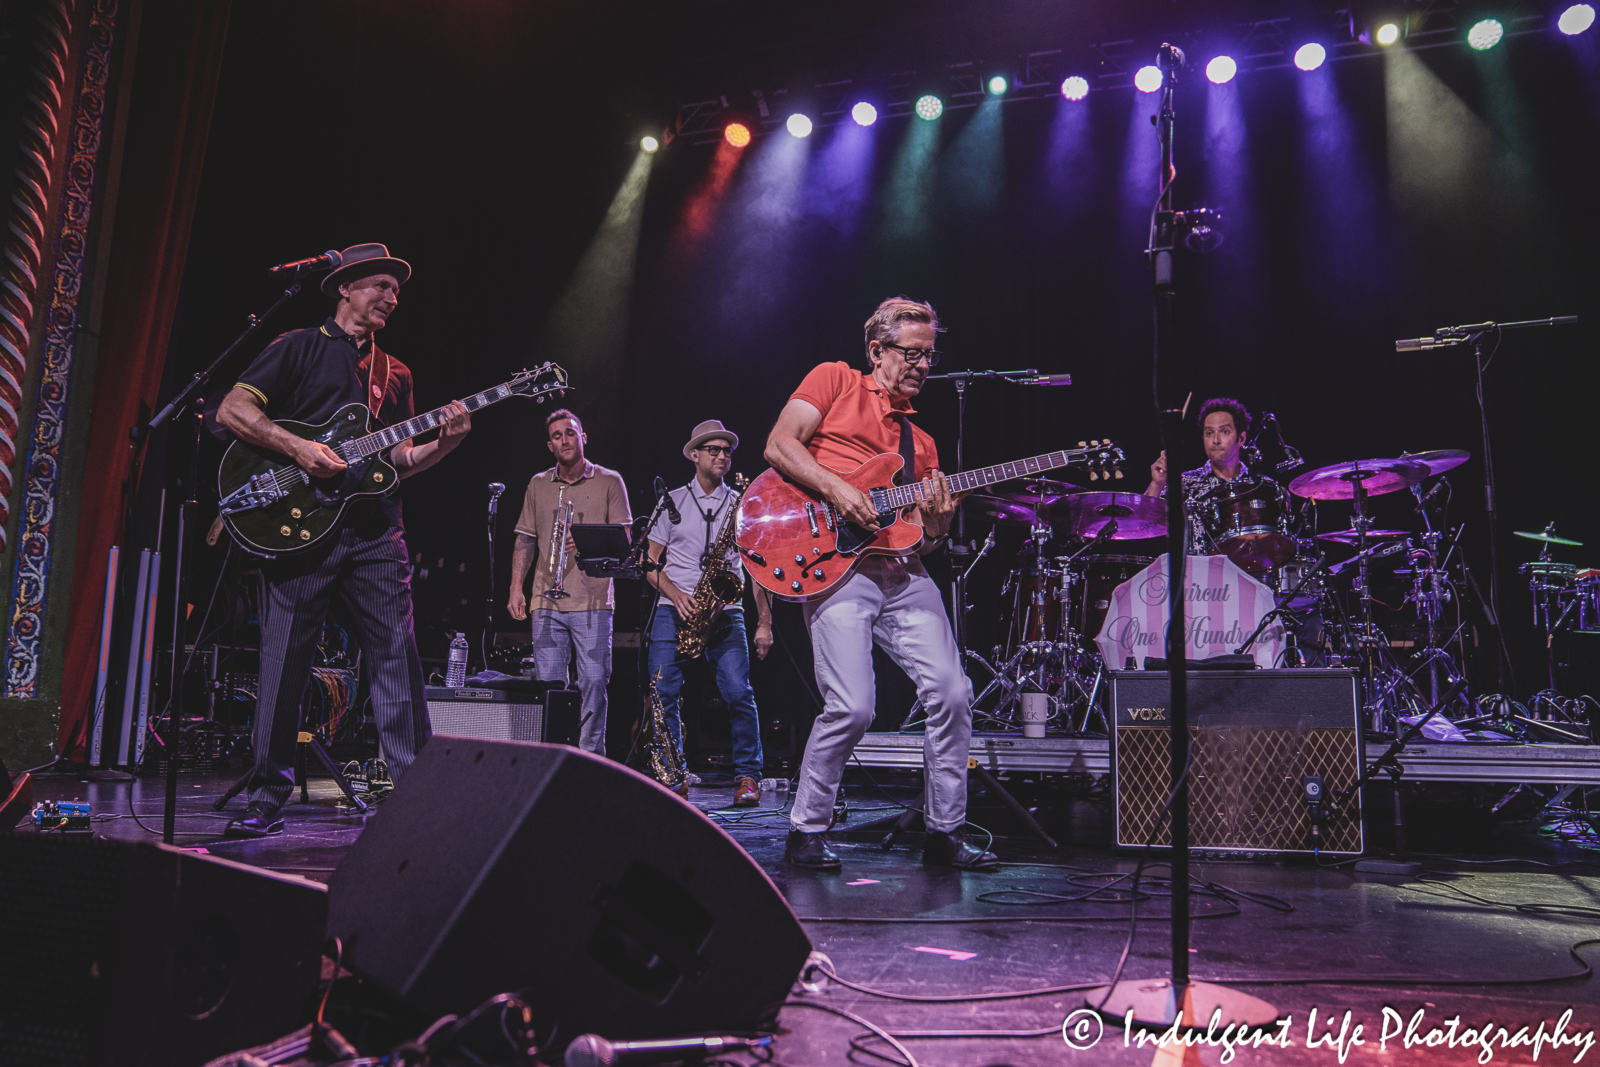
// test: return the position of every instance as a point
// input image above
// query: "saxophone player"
(577, 624)
(707, 506)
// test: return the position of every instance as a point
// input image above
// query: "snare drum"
(1288, 576)
(1102, 575)
(1249, 521)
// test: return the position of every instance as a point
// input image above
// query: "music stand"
(603, 549)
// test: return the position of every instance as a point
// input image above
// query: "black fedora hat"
(363, 261)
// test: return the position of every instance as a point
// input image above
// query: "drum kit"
(1054, 599)
(1566, 599)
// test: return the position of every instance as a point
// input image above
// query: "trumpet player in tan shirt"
(578, 624)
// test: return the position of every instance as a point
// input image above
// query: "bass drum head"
(1092, 598)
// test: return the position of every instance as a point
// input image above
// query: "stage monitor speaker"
(537, 712)
(499, 866)
(117, 953)
(1257, 736)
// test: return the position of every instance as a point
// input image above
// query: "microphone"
(1426, 498)
(592, 1050)
(329, 260)
(1046, 379)
(1422, 344)
(495, 489)
(662, 494)
(1169, 56)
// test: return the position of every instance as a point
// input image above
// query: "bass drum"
(1101, 576)
(1249, 521)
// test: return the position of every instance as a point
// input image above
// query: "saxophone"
(720, 583)
(662, 760)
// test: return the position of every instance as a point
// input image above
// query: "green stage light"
(929, 107)
(998, 85)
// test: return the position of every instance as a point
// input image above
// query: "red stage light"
(738, 134)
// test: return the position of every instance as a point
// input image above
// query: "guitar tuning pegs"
(1094, 476)
(1083, 444)
(1118, 476)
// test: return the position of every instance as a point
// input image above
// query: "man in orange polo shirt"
(836, 420)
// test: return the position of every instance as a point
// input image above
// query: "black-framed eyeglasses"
(717, 450)
(913, 356)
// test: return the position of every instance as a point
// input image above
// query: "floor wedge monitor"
(1265, 742)
(507, 866)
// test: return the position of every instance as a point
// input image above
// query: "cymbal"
(1020, 506)
(1439, 460)
(1086, 514)
(1351, 537)
(1549, 538)
(1378, 476)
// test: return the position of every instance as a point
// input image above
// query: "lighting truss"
(1267, 44)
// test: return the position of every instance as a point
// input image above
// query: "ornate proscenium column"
(24, 237)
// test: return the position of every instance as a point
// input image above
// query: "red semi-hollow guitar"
(798, 547)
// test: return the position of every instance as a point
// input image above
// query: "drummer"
(1223, 424)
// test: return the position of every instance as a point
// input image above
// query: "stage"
(887, 923)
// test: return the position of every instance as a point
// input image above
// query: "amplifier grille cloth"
(487, 720)
(1245, 788)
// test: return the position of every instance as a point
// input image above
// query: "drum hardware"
(1555, 590)
(1283, 610)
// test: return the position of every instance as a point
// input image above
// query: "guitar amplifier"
(1257, 736)
(535, 714)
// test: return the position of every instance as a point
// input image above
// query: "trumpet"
(558, 547)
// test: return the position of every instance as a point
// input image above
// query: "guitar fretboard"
(393, 435)
(900, 496)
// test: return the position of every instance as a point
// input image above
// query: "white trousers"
(892, 602)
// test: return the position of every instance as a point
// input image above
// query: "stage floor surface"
(890, 924)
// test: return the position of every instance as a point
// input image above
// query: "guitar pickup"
(811, 517)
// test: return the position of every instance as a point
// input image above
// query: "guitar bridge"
(811, 517)
(258, 492)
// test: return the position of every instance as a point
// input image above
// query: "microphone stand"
(1146, 1003)
(190, 394)
(959, 546)
(488, 600)
(1473, 334)
(1281, 609)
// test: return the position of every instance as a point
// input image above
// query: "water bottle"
(455, 674)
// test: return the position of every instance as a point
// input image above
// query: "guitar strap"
(908, 454)
(378, 378)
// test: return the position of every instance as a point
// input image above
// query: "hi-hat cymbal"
(1549, 538)
(1351, 537)
(1439, 460)
(1377, 476)
(1086, 514)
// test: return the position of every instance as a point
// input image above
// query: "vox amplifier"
(534, 712)
(1257, 737)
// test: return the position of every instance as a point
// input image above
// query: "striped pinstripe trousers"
(368, 569)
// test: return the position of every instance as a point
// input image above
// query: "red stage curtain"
(177, 58)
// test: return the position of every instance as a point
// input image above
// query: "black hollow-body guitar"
(274, 508)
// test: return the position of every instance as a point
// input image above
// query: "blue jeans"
(729, 654)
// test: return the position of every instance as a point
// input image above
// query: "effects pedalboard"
(61, 816)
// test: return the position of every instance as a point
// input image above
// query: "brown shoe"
(746, 792)
(683, 789)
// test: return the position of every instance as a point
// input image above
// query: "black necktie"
(908, 454)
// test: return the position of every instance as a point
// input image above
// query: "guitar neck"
(393, 435)
(900, 496)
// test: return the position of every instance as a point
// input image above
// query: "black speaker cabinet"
(537, 713)
(499, 866)
(121, 953)
(1257, 736)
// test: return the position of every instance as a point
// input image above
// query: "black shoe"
(949, 850)
(810, 850)
(258, 820)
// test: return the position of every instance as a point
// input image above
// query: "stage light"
(1310, 56)
(1148, 79)
(1485, 34)
(1220, 71)
(798, 125)
(864, 114)
(1575, 19)
(929, 107)
(998, 85)
(1075, 88)
(1388, 33)
(737, 133)
(649, 144)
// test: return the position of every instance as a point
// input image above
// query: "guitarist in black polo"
(306, 376)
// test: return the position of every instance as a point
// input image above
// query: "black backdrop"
(485, 141)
